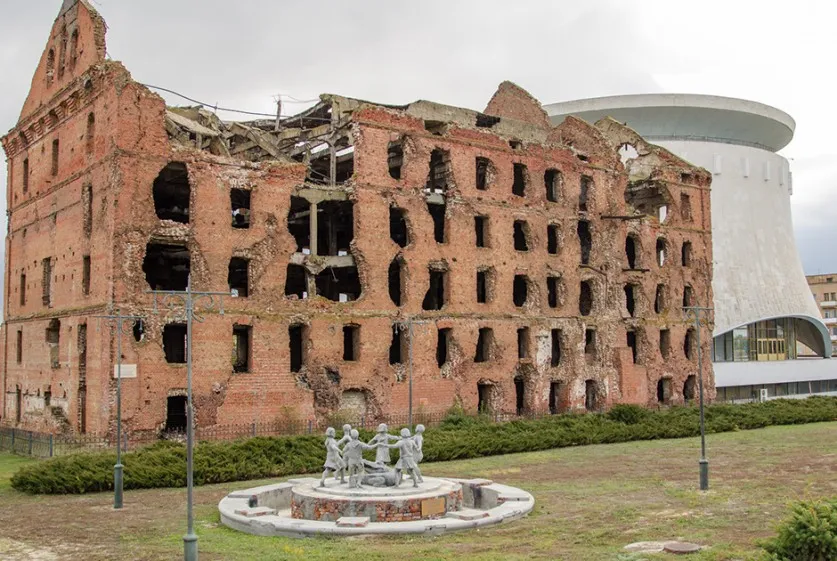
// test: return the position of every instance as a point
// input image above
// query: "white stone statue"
(381, 443)
(419, 440)
(353, 455)
(347, 436)
(333, 461)
(407, 461)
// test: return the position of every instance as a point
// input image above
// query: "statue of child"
(419, 440)
(353, 455)
(333, 461)
(406, 462)
(381, 441)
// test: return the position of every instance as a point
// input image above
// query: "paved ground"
(591, 502)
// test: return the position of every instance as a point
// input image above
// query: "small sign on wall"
(128, 371)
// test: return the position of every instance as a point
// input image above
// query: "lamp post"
(118, 468)
(410, 323)
(696, 312)
(182, 303)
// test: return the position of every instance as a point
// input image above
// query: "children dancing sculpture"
(333, 462)
(353, 456)
(381, 443)
(407, 462)
(419, 440)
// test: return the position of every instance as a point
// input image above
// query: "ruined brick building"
(544, 268)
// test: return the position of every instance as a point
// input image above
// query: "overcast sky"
(241, 54)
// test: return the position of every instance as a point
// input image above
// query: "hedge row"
(458, 437)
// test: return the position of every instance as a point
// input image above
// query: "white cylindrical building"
(763, 305)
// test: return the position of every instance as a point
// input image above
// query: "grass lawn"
(590, 502)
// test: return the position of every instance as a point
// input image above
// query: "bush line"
(458, 437)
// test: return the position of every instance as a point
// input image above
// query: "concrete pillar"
(312, 228)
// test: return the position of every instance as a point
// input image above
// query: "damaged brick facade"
(543, 269)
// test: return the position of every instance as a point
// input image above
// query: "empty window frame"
(552, 239)
(437, 213)
(396, 276)
(552, 182)
(338, 284)
(434, 299)
(166, 267)
(55, 149)
(585, 241)
(665, 343)
(481, 231)
(171, 192)
(22, 289)
(46, 282)
(297, 334)
(174, 343)
(395, 158)
(688, 297)
(633, 344)
(555, 340)
(443, 343)
(53, 336)
(299, 223)
(296, 281)
(686, 254)
(176, 413)
(398, 231)
(521, 180)
(660, 299)
(553, 288)
(398, 344)
(556, 390)
(585, 298)
(85, 275)
(87, 208)
(586, 184)
(521, 235)
(482, 286)
(485, 172)
(519, 394)
(523, 343)
(25, 175)
(685, 207)
(520, 290)
(661, 252)
(238, 277)
(351, 342)
(590, 342)
(689, 387)
(631, 252)
(591, 398)
(90, 136)
(240, 208)
(335, 228)
(689, 344)
(485, 341)
(242, 339)
(439, 177)
(631, 291)
(19, 347)
(664, 391)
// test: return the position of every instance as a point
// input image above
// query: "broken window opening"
(25, 175)
(556, 389)
(174, 343)
(520, 290)
(238, 277)
(395, 158)
(585, 298)
(22, 289)
(73, 49)
(296, 282)
(19, 347)
(434, 299)
(665, 342)
(166, 267)
(555, 357)
(584, 192)
(631, 245)
(333, 375)
(686, 254)
(521, 235)
(319, 166)
(339, 284)
(552, 290)
(297, 333)
(176, 413)
(519, 394)
(633, 345)
(242, 338)
(687, 177)
(54, 169)
(351, 342)
(591, 390)
(523, 342)
(87, 212)
(552, 239)
(689, 388)
(138, 330)
(53, 339)
(553, 180)
(171, 193)
(689, 343)
(437, 128)
(240, 208)
(485, 400)
(585, 241)
(485, 173)
(648, 197)
(85, 275)
(485, 342)
(482, 287)
(590, 342)
(335, 227)
(18, 405)
(515, 144)
(630, 299)
(50, 67)
(438, 178)
(661, 252)
(662, 213)
(521, 180)
(398, 231)
(396, 276)
(46, 282)
(398, 345)
(664, 391)
(688, 299)
(486, 121)
(685, 207)
(90, 137)
(443, 340)
(299, 223)
(660, 299)
(481, 231)
(437, 213)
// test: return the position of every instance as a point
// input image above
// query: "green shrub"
(460, 436)
(810, 534)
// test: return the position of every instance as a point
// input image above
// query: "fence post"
(254, 428)
(51, 446)
(30, 442)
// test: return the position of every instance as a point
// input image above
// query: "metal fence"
(44, 445)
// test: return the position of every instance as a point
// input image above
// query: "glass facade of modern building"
(773, 339)
(785, 389)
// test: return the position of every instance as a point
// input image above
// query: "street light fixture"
(118, 468)
(410, 322)
(700, 316)
(182, 303)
